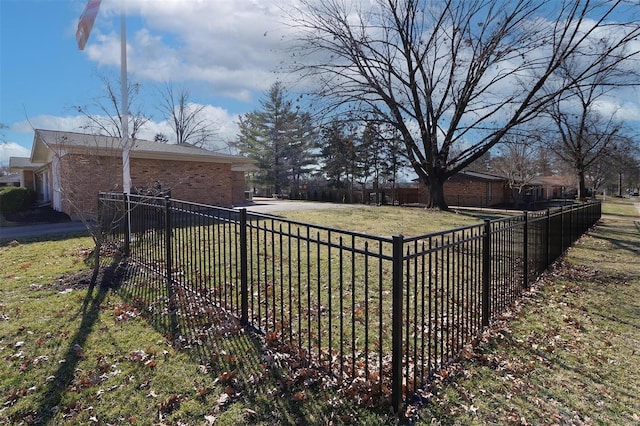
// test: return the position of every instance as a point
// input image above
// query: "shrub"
(14, 199)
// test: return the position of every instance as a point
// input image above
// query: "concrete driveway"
(26, 231)
(259, 205)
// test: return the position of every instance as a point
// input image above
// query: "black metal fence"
(377, 313)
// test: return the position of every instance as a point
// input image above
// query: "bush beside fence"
(374, 312)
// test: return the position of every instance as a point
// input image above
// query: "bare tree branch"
(454, 77)
(187, 119)
(108, 120)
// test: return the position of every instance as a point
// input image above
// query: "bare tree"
(77, 156)
(584, 131)
(517, 161)
(616, 162)
(186, 118)
(78, 194)
(104, 115)
(482, 164)
(453, 77)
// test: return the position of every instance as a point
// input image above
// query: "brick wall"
(475, 193)
(463, 191)
(238, 188)
(205, 183)
(83, 176)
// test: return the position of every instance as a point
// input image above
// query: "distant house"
(550, 187)
(472, 189)
(28, 176)
(69, 169)
(477, 189)
(10, 180)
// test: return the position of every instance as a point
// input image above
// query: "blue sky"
(224, 51)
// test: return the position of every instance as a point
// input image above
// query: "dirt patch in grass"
(109, 277)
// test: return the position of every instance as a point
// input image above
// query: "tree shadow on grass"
(97, 291)
(236, 356)
(620, 238)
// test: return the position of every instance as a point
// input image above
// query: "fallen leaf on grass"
(223, 399)
(227, 376)
(170, 405)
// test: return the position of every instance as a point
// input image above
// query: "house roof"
(22, 163)
(468, 174)
(480, 176)
(553, 180)
(46, 142)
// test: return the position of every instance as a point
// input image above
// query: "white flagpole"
(126, 146)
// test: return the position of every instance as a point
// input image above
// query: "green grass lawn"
(385, 220)
(569, 353)
(73, 356)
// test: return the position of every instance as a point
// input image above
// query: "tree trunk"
(620, 184)
(436, 193)
(96, 264)
(582, 187)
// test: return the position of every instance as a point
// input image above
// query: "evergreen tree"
(280, 138)
(338, 153)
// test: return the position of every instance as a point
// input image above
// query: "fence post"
(548, 245)
(562, 213)
(486, 273)
(525, 281)
(396, 333)
(127, 226)
(570, 227)
(173, 317)
(244, 276)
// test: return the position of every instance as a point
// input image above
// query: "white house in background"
(10, 180)
(34, 176)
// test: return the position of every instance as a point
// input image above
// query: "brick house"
(550, 187)
(26, 171)
(69, 169)
(472, 189)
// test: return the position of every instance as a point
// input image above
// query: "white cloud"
(12, 149)
(50, 122)
(620, 111)
(234, 45)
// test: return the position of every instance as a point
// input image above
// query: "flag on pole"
(86, 22)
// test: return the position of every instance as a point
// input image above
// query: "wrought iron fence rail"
(328, 242)
(373, 311)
